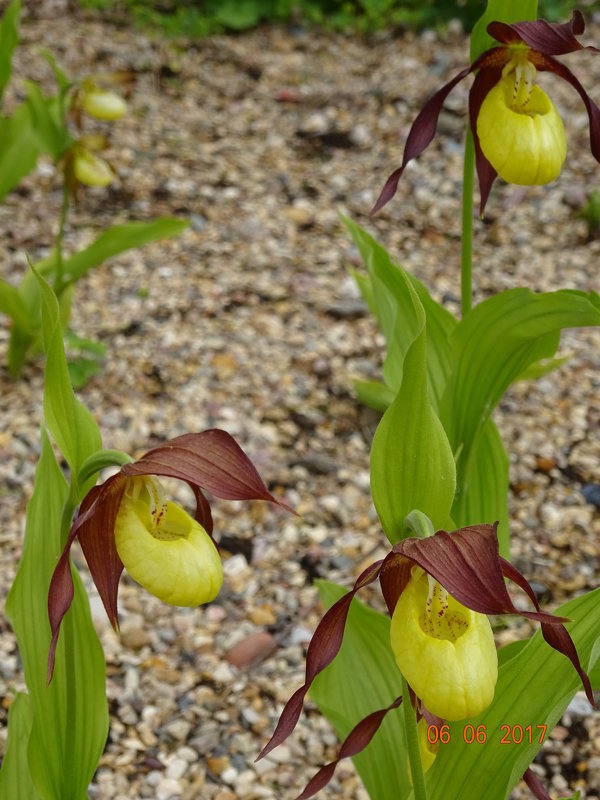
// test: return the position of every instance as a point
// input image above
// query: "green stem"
(58, 244)
(412, 744)
(100, 460)
(466, 252)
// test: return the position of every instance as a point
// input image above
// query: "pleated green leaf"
(412, 465)
(69, 421)
(15, 778)
(19, 148)
(9, 38)
(484, 493)
(493, 345)
(387, 293)
(534, 688)
(70, 717)
(118, 239)
(363, 678)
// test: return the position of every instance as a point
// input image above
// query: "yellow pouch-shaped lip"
(526, 143)
(453, 672)
(173, 558)
(103, 105)
(91, 170)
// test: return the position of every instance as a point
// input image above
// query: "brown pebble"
(252, 650)
(218, 764)
(560, 733)
(134, 638)
(545, 464)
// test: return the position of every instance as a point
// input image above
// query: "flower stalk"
(412, 744)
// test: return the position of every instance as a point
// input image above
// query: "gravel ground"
(250, 322)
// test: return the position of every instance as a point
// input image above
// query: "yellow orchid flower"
(445, 650)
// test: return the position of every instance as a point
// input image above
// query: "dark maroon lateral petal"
(203, 513)
(60, 597)
(97, 539)
(512, 573)
(420, 135)
(484, 81)
(549, 38)
(558, 638)
(212, 460)
(535, 784)
(356, 741)
(323, 648)
(552, 65)
(555, 634)
(60, 592)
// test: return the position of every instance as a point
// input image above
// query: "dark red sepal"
(323, 648)
(549, 38)
(94, 527)
(535, 784)
(420, 135)
(356, 741)
(211, 459)
(466, 563)
(555, 634)
(484, 81)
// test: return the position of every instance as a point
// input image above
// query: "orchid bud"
(445, 651)
(91, 170)
(520, 133)
(164, 549)
(102, 104)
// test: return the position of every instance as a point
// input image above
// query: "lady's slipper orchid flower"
(516, 128)
(90, 169)
(465, 564)
(101, 104)
(82, 166)
(127, 522)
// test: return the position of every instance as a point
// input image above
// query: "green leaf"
(118, 239)
(63, 83)
(19, 148)
(13, 306)
(363, 678)
(19, 345)
(9, 38)
(70, 717)
(534, 688)
(412, 465)
(483, 496)
(69, 421)
(51, 130)
(395, 308)
(374, 394)
(493, 345)
(15, 778)
(389, 298)
(502, 11)
(541, 368)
